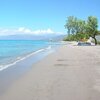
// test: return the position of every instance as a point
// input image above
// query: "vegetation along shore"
(82, 30)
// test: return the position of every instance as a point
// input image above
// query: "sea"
(14, 51)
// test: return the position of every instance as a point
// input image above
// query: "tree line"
(82, 29)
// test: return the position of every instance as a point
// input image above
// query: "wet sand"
(71, 73)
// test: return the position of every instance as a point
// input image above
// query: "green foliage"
(80, 29)
(91, 26)
(98, 32)
(76, 37)
(75, 25)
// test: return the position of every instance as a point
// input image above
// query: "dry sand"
(71, 73)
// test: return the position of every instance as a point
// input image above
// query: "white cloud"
(23, 30)
(48, 31)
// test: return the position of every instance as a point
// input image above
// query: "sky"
(43, 16)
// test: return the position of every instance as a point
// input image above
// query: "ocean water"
(13, 51)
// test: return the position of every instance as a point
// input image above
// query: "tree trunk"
(95, 41)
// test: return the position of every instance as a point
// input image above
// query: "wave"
(18, 59)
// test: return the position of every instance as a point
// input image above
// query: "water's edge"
(18, 68)
(19, 59)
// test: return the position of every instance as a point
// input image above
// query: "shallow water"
(13, 51)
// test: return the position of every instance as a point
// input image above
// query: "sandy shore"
(71, 73)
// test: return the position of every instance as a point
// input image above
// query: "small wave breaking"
(19, 59)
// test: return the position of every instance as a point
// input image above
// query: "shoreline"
(21, 58)
(70, 73)
(10, 74)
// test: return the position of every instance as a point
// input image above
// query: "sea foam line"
(2, 67)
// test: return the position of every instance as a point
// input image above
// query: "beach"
(70, 73)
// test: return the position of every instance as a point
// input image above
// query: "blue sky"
(38, 16)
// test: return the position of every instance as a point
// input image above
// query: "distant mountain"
(33, 37)
(58, 38)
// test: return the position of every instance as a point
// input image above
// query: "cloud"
(48, 31)
(23, 30)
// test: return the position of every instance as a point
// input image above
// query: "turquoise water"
(13, 51)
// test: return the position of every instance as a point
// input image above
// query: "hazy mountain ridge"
(55, 37)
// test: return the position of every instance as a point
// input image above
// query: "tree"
(80, 26)
(70, 24)
(91, 27)
(74, 25)
(98, 33)
(81, 29)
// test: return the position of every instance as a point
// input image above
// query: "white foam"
(2, 67)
